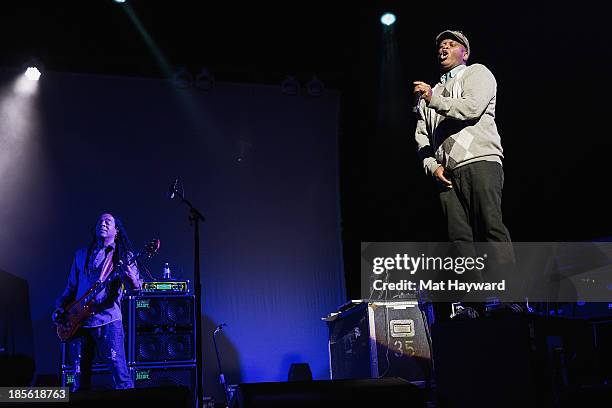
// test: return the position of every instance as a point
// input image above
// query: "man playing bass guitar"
(109, 251)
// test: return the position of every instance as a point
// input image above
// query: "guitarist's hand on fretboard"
(129, 273)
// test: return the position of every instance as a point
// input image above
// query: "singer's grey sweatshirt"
(458, 127)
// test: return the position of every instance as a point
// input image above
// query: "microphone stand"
(195, 217)
(221, 375)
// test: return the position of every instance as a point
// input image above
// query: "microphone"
(172, 189)
(219, 327)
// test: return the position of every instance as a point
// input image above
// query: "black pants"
(473, 206)
(473, 213)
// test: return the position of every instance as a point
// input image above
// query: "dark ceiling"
(235, 40)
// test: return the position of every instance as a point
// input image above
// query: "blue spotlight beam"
(162, 61)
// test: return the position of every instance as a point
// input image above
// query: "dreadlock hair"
(123, 245)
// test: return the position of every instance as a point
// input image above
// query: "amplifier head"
(165, 287)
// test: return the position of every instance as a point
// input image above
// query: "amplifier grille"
(152, 311)
(164, 347)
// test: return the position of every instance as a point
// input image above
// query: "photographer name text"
(434, 286)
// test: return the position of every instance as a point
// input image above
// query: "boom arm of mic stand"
(195, 216)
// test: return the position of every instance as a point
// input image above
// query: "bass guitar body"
(76, 313)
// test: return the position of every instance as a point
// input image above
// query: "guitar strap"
(107, 266)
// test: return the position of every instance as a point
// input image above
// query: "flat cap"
(453, 35)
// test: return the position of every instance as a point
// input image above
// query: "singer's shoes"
(465, 313)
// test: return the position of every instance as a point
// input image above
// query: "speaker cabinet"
(162, 311)
(148, 376)
(164, 346)
(162, 329)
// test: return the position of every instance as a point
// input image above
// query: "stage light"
(27, 83)
(20, 146)
(290, 85)
(388, 19)
(204, 80)
(315, 87)
(32, 73)
(119, 1)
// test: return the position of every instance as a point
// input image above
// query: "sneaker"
(464, 313)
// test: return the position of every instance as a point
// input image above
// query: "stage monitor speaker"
(300, 372)
(381, 392)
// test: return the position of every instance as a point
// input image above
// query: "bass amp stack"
(159, 328)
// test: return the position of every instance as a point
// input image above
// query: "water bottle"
(167, 271)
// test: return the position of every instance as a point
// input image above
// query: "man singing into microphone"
(460, 147)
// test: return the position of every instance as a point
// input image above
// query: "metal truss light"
(315, 87)
(182, 78)
(290, 86)
(204, 80)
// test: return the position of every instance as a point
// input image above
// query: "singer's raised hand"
(423, 89)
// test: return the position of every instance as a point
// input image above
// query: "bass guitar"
(76, 312)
